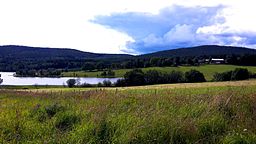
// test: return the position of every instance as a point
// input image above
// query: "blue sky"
(127, 26)
(172, 27)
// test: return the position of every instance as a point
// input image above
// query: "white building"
(217, 61)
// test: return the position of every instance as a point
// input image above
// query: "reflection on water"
(9, 79)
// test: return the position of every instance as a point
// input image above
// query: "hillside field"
(207, 70)
(222, 112)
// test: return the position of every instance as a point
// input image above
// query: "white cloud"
(152, 40)
(180, 33)
(55, 23)
(65, 23)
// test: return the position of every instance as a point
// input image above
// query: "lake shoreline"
(9, 79)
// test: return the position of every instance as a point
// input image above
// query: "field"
(207, 70)
(177, 113)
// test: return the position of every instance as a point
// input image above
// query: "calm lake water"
(9, 79)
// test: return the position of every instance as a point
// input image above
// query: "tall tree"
(71, 83)
(194, 76)
(1, 80)
(135, 77)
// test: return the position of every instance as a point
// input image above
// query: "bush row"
(237, 74)
(137, 77)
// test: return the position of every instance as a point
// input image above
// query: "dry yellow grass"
(197, 85)
(251, 82)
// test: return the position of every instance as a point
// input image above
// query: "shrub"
(78, 82)
(51, 110)
(42, 113)
(103, 74)
(152, 77)
(99, 84)
(174, 77)
(86, 85)
(108, 73)
(107, 83)
(71, 83)
(240, 74)
(237, 74)
(39, 113)
(120, 83)
(225, 76)
(66, 121)
(252, 75)
(135, 77)
(194, 76)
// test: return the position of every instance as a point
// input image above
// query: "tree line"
(54, 67)
(137, 77)
(237, 74)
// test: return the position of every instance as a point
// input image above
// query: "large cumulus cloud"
(175, 27)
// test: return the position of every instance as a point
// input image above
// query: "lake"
(9, 79)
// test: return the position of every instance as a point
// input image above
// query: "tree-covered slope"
(24, 52)
(206, 50)
(25, 59)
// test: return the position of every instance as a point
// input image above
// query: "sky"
(127, 26)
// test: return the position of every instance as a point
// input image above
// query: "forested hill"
(29, 60)
(24, 52)
(206, 50)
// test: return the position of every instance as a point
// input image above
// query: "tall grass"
(194, 115)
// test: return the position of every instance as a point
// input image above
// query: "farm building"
(217, 61)
(212, 61)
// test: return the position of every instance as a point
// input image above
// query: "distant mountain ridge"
(12, 51)
(25, 52)
(205, 50)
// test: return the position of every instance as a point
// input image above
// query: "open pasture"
(186, 113)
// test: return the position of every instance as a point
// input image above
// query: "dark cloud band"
(173, 27)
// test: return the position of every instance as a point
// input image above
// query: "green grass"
(152, 114)
(207, 70)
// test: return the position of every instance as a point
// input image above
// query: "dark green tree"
(135, 77)
(194, 76)
(71, 83)
(152, 77)
(88, 66)
(154, 61)
(110, 73)
(177, 61)
(103, 74)
(107, 83)
(225, 76)
(174, 77)
(120, 83)
(100, 65)
(240, 74)
(1, 80)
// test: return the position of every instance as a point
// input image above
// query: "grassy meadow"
(177, 113)
(207, 70)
